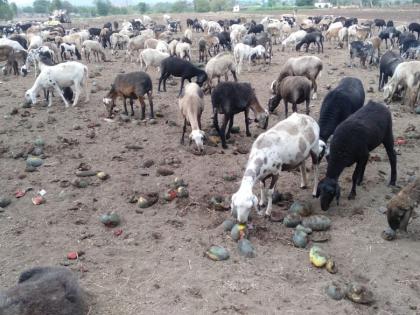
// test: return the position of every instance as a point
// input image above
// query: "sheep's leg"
(294, 107)
(143, 107)
(230, 127)
(263, 198)
(248, 133)
(150, 98)
(286, 109)
(125, 106)
(77, 90)
(182, 86)
(60, 93)
(132, 106)
(270, 192)
(303, 178)
(315, 168)
(362, 171)
(308, 101)
(184, 130)
(234, 76)
(355, 178)
(315, 87)
(223, 130)
(389, 147)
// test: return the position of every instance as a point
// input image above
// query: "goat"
(308, 66)
(347, 97)
(353, 139)
(92, 46)
(314, 37)
(183, 51)
(414, 27)
(220, 65)
(293, 39)
(71, 49)
(406, 74)
(180, 68)
(45, 291)
(243, 52)
(231, 98)
(130, 85)
(13, 57)
(283, 147)
(293, 89)
(191, 105)
(152, 57)
(362, 50)
(135, 44)
(389, 61)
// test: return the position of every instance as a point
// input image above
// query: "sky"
(22, 3)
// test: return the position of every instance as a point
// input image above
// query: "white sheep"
(69, 49)
(282, 148)
(172, 47)
(235, 37)
(118, 40)
(162, 46)
(293, 39)
(191, 105)
(135, 44)
(92, 46)
(214, 27)
(57, 77)
(220, 65)
(12, 43)
(152, 57)
(243, 52)
(188, 34)
(35, 42)
(183, 50)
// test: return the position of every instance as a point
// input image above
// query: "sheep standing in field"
(188, 34)
(118, 41)
(172, 47)
(45, 291)
(284, 147)
(183, 51)
(92, 46)
(152, 57)
(243, 52)
(220, 65)
(293, 39)
(135, 44)
(191, 105)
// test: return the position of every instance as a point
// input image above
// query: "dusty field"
(157, 266)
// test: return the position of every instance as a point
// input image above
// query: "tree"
(41, 6)
(68, 7)
(14, 8)
(103, 7)
(56, 5)
(301, 3)
(179, 6)
(142, 7)
(201, 5)
(28, 9)
(6, 12)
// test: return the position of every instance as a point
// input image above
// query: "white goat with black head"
(282, 148)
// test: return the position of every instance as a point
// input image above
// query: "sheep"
(376, 43)
(243, 52)
(14, 44)
(13, 57)
(92, 46)
(183, 51)
(202, 50)
(152, 57)
(414, 27)
(343, 36)
(293, 89)
(54, 49)
(188, 34)
(213, 27)
(180, 68)
(362, 50)
(258, 28)
(212, 42)
(220, 65)
(406, 74)
(57, 77)
(70, 49)
(35, 42)
(150, 43)
(313, 37)
(231, 98)
(130, 85)
(389, 61)
(293, 39)
(334, 33)
(191, 105)
(224, 40)
(162, 46)
(379, 23)
(118, 40)
(172, 47)
(74, 38)
(20, 39)
(406, 45)
(353, 139)
(356, 32)
(401, 206)
(235, 37)
(347, 97)
(308, 66)
(32, 59)
(284, 147)
(45, 291)
(135, 44)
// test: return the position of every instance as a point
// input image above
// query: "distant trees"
(41, 6)
(6, 11)
(301, 3)
(103, 7)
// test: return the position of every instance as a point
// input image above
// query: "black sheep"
(180, 68)
(197, 26)
(361, 50)
(94, 31)
(190, 23)
(380, 23)
(231, 98)
(389, 33)
(224, 40)
(338, 104)
(390, 23)
(414, 27)
(353, 139)
(350, 21)
(313, 37)
(389, 61)
(406, 45)
(45, 291)
(258, 28)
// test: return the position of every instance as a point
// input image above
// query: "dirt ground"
(156, 266)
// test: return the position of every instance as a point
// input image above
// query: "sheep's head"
(198, 137)
(398, 218)
(273, 102)
(262, 119)
(201, 79)
(24, 70)
(30, 97)
(388, 92)
(327, 189)
(241, 205)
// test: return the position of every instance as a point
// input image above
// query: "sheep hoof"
(352, 196)
(303, 187)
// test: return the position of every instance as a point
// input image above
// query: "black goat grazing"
(338, 104)
(130, 85)
(379, 23)
(293, 89)
(362, 51)
(197, 26)
(258, 28)
(180, 68)
(313, 37)
(353, 139)
(190, 23)
(224, 40)
(350, 21)
(45, 291)
(231, 98)
(389, 61)
(414, 27)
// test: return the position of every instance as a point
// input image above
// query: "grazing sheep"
(334, 33)
(130, 85)
(243, 52)
(231, 98)
(313, 37)
(308, 66)
(220, 65)
(353, 139)
(191, 105)
(362, 50)
(135, 44)
(45, 291)
(188, 34)
(118, 41)
(283, 147)
(293, 39)
(347, 97)
(389, 61)
(180, 68)
(401, 206)
(212, 43)
(152, 57)
(92, 46)
(293, 89)
(235, 37)
(407, 75)
(150, 43)
(183, 51)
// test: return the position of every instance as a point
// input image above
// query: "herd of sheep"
(347, 129)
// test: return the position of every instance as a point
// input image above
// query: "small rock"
(124, 118)
(303, 229)
(217, 253)
(182, 192)
(320, 237)
(37, 151)
(303, 208)
(39, 142)
(170, 195)
(102, 175)
(328, 87)
(14, 111)
(245, 248)
(111, 219)
(292, 220)
(164, 172)
(317, 222)
(86, 173)
(317, 256)
(33, 162)
(79, 183)
(228, 225)
(230, 177)
(4, 201)
(300, 239)
(218, 203)
(388, 234)
(370, 89)
(359, 294)
(277, 216)
(91, 134)
(159, 114)
(148, 200)
(382, 210)
(178, 182)
(331, 266)
(171, 123)
(334, 292)
(30, 169)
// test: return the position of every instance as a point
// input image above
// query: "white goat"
(152, 57)
(282, 148)
(191, 105)
(69, 49)
(188, 34)
(36, 42)
(220, 65)
(183, 50)
(118, 40)
(214, 27)
(243, 52)
(135, 44)
(92, 46)
(14, 44)
(293, 39)
(59, 76)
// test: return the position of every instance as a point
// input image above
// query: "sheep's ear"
(337, 193)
